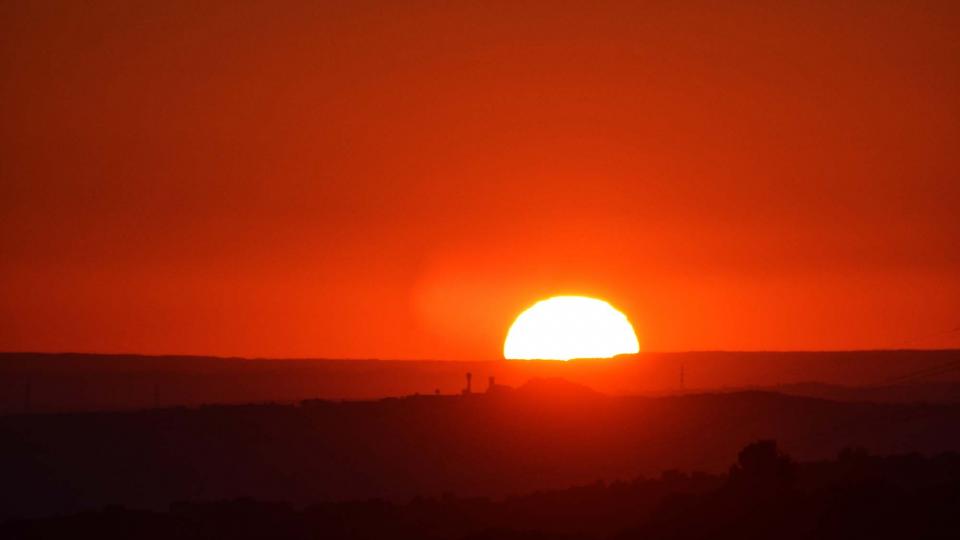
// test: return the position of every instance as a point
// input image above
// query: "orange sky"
(400, 181)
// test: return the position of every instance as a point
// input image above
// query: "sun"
(568, 327)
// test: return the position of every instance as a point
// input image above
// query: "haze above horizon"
(403, 180)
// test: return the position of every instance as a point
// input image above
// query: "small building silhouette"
(494, 388)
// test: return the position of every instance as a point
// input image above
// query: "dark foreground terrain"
(547, 434)
(764, 495)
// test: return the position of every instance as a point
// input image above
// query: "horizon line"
(375, 359)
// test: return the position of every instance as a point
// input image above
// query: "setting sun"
(568, 327)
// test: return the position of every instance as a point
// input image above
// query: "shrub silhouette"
(763, 468)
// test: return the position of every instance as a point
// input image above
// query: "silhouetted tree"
(763, 467)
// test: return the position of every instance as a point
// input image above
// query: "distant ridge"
(46, 382)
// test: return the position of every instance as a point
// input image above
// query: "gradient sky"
(401, 179)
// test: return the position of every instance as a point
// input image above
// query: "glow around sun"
(568, 327)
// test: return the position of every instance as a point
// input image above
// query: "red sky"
(401, 179)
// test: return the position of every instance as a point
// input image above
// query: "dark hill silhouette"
(916, 392)
(555, 388)
(547, 435)
(765, 495)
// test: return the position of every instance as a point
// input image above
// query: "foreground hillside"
(548, 434)
(765, 495)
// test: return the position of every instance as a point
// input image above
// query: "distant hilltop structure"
(492, 386)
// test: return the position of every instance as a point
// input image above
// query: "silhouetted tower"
(492, 382)
(469, 388)
(681, 377)
(156, 395)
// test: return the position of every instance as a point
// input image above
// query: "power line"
(930, 371)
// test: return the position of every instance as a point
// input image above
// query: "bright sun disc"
(568, 327)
